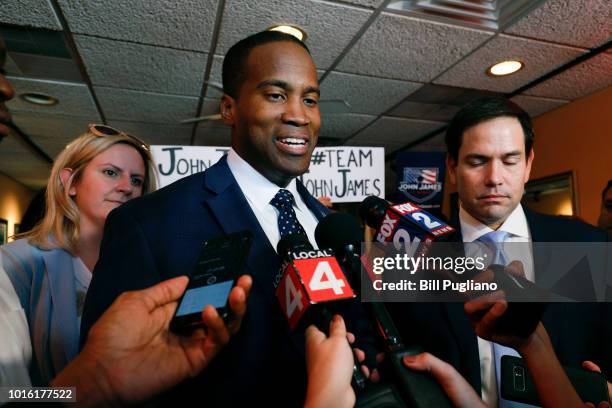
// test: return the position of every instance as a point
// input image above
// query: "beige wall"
(578, 137)
(14, 200)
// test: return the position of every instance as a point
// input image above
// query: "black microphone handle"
(359, 380)
(418, 389)
(323, 317)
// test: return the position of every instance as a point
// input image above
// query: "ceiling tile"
(44, 67)
(74, 99)
(10, 67)
(388, 146)
(581, 80)
(142, 67)
(364, 3)
(215, 78)
(213, 133)
(582, 23)
(429, 111)
(138, 106)
(341, 126)
(539, 58)
(185, 24)
(210, 106)
(536, 106)
(18, 161)
(330, 26)
(366, 94)
(394, 132)
(33, 13)
(52, 132)
(448, 95)
(156, 134)
(434, 144)
(407, 48)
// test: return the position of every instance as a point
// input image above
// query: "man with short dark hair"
(490, 153)
(271, 103)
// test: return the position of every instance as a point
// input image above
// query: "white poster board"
(345, 174)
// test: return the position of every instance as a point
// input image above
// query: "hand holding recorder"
(543, 372)
(131, 355)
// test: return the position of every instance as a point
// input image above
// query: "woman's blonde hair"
(59, 227)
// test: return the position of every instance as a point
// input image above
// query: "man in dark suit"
(490, 153)
(271, 103)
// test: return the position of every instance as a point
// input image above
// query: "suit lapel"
(233, 213)
(466, 341)
(541, 253)
(64, 330)
(318, 209)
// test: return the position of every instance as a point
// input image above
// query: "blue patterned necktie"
(494, 240)
(287, 220)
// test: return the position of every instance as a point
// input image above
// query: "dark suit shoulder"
(550, 228)
(179, 196)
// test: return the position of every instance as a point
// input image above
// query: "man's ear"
(227, 109)
(65, 177)
(452, 167)
(529, 163)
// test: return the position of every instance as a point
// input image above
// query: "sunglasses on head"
(105, 130)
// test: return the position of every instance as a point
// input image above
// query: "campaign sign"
(421, 177)
(345, 174)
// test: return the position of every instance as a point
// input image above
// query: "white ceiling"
(143, 65)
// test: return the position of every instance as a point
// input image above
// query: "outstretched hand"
(132, 354)
(329, 363)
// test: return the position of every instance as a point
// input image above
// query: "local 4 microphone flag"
(420, 178)
(316, 278)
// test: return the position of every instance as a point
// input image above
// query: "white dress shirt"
(259, 191)
(518, 229)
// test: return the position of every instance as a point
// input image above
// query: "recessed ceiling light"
(295, 31)
(39, 99)
(505, 68)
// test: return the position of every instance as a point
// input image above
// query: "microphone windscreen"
(337, 230)
(372, 210)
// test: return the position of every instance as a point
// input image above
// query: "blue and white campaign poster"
(420, 178)
(345, 173)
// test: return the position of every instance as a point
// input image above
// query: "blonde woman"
(50, 267)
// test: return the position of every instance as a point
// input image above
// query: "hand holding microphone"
(329, 361)
(341, 232)
(310, 286)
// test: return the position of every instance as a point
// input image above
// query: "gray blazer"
(44, 283)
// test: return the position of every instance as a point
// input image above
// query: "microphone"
(342, 233)
(406, 225)
(310, 284)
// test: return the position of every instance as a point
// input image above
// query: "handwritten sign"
(346, 174)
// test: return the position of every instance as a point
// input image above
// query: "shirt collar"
(258, 190)
(515, 224)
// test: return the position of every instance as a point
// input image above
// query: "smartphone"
(517, 384)
(219, 265)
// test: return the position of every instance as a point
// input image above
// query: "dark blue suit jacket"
(578, 331)
(159, 236)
